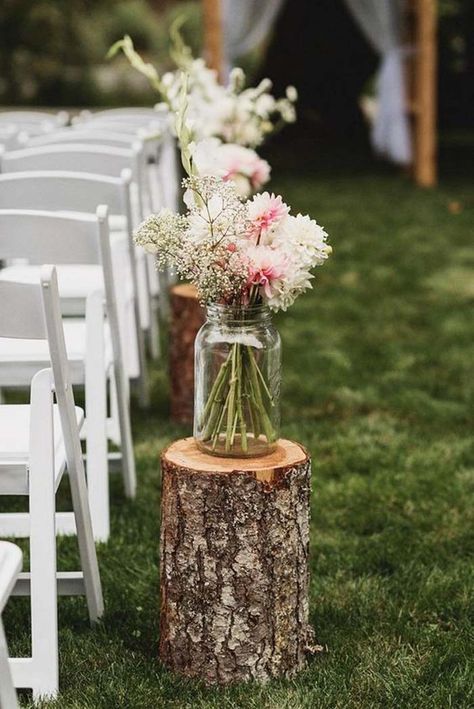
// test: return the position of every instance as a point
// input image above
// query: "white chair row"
(94, 345)
(38, 442)
(110, 161)
(160, 177)
(164, 173)
(67, 192)
(90, 161)
(46, 216)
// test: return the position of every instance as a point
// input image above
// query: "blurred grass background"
(378, 385)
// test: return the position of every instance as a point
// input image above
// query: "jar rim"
(233, 313)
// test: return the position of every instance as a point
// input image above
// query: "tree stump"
(187, 316)
(234, 563)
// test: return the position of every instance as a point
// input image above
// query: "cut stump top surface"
(185, 290)
(184, 453)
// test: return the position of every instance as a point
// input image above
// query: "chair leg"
(85, 536)
(144, 326)
(154, 291)
(143, 386)
(113, 426)
(154, 329)
(8, 698)
(44, 600)
(123, 410)
(96, 417)
(166, 281)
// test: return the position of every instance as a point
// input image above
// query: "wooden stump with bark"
(234, 563)
(187, 316)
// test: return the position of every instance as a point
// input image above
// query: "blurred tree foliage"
(45, 50)
(52, 52)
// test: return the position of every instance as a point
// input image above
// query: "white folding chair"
(101, 161)
(37, 442)
(82, 192)
(94, 355)
(10, 566)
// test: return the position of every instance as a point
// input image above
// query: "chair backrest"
(49, 237)
(125, 112)
(130, 126)
(58, 190)
(80, 157)
(70, 135)
(32, 312)
(25, 116)
(21, 311)
(10, 566)
(91, 135)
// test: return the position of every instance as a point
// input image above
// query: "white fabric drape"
(381, 22)
(246, 23)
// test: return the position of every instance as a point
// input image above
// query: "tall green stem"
(237, 404)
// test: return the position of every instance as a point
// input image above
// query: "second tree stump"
(234, 563)
(187, 316)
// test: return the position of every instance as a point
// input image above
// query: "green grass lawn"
(378, 385)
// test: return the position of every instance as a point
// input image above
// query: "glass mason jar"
(237, 368)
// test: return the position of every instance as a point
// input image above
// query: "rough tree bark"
(234, 563)
(187, 316)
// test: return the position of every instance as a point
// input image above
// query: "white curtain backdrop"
(381, 22)
(246, 23)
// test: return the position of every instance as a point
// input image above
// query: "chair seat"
(15, 443)
(21, 359)
(75, 282)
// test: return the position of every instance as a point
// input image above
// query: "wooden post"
(213, 43)
(425, 171)
(187, 316)
(234, 563)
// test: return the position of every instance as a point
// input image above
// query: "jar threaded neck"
(236, 315)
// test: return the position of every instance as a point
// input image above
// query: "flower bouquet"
(246, 257)
(234, 113)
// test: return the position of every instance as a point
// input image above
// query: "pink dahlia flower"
(265, 211)
(266, 268)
